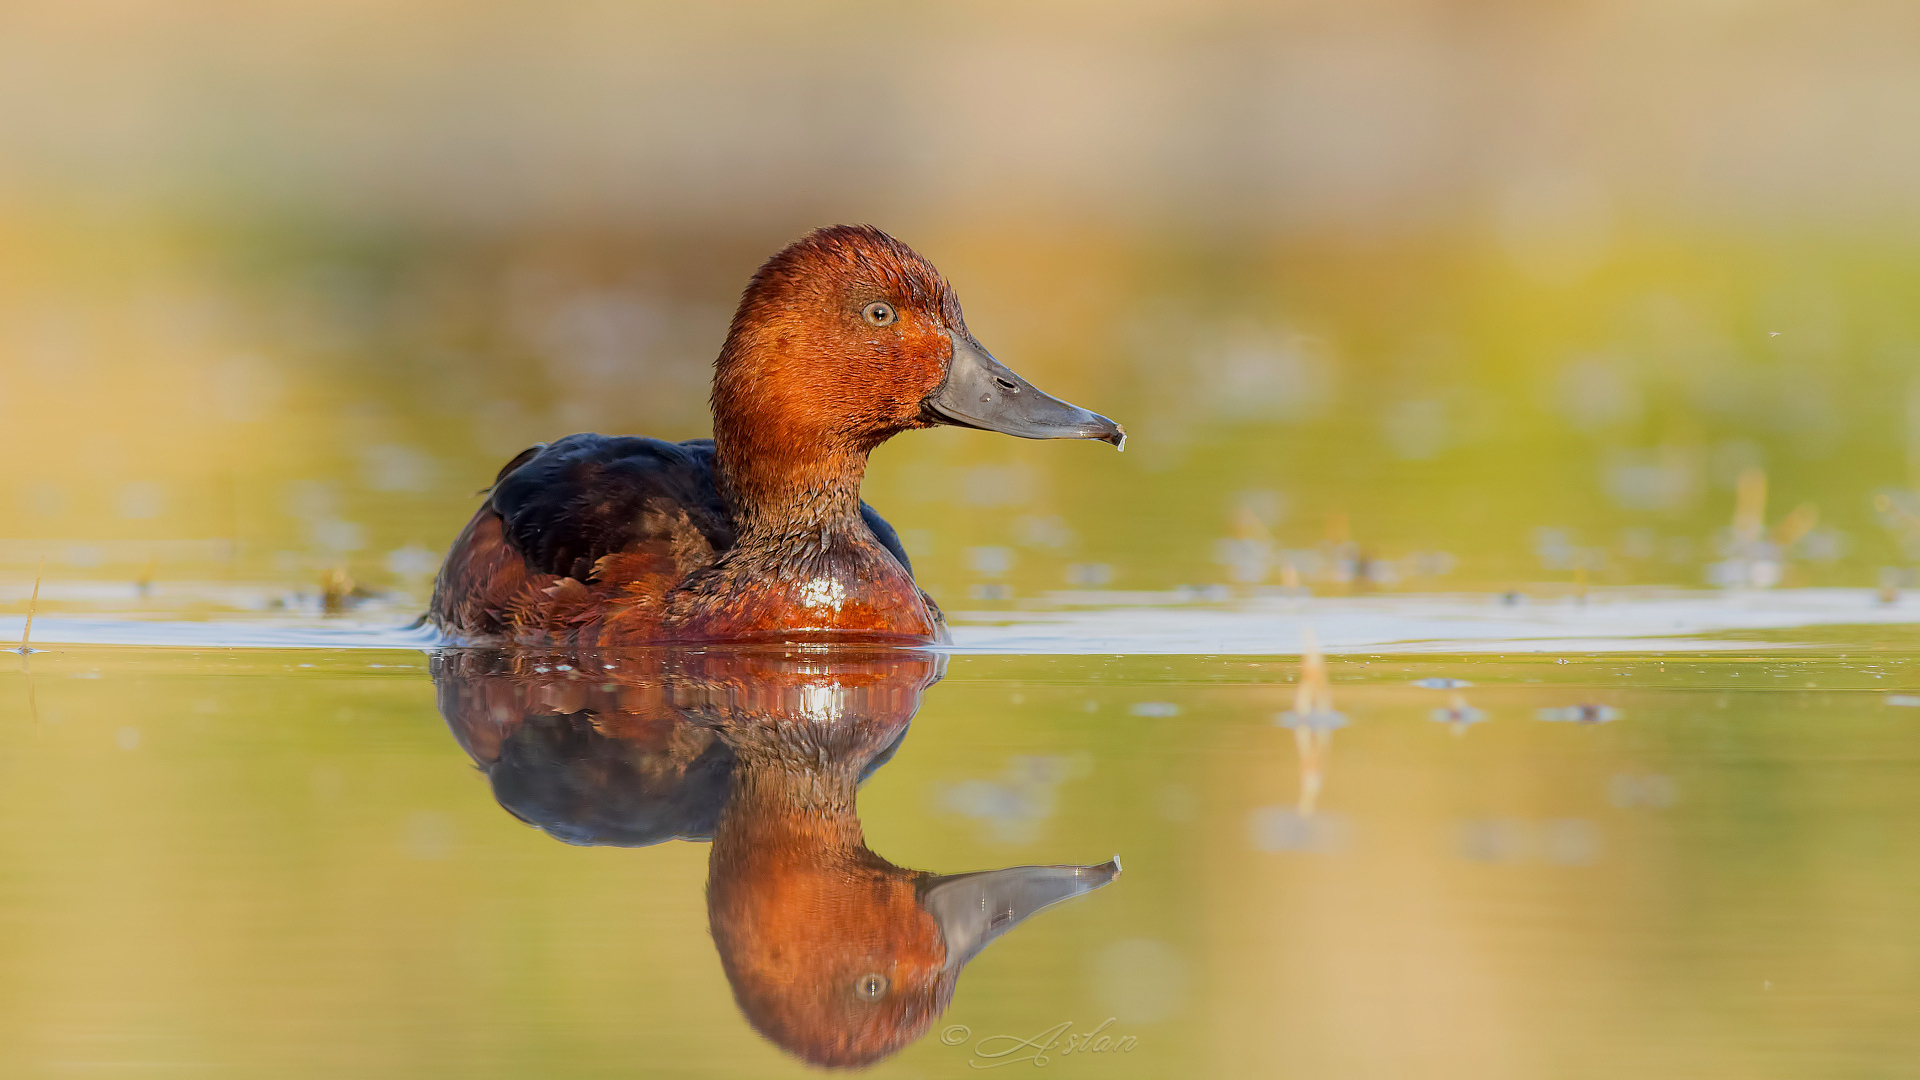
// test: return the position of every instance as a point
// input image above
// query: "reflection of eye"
(871, 986)
(878, 313)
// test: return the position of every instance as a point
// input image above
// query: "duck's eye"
(871, 986)
(878, 313)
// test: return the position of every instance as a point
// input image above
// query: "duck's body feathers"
(576, 533)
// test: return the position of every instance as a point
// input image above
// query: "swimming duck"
(842, 340)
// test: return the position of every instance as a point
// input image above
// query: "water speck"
(1560, 841)
(1140, 980)
(1154, 708)
(1179, 803)
(1013, 805)
(992, 561)
(327, 782)
(1907, 701)
(1317, 720)
(142, 500)
(1653, 790)
(1460, 714)
(1283, 828)
(1439, 683)
(127, 738)
(1580, 714)
(1089, 574)
(412, 561)
(428, 835)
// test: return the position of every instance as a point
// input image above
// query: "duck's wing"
(589, 496)
(884, 533)
(526, 560)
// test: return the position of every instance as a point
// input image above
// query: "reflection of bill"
(1060, 1040)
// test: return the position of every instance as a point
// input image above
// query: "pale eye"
(879, 313)
(871, 986)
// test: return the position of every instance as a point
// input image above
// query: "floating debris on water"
(1891, 578)
(1155, 708)
(1436, 682)
(1459, 715)
(1089, 574)
(1908, 701)
(339, 593)
(1320, 721)
(1281, 828)
(1013, 806)
(1560, 841)
(1627, 790)
(1581, 714)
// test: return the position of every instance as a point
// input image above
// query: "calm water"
(285, 862)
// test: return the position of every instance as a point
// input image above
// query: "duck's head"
(848, 337)
(843, 961)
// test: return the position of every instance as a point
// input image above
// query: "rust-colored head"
(838, 340)
(847, 338)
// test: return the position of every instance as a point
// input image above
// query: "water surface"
(280, 862)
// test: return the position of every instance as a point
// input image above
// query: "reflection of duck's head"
(834, 953)
(845, 960)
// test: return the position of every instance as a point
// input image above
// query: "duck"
(842, 340)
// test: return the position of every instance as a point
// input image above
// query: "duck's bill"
(981, 392)
(973, 909)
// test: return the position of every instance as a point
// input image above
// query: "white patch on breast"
(823, 592)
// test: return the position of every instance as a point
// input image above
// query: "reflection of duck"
(842, 341)
(834, 953)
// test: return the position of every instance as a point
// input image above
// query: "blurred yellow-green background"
(1497, 293)
(1397, 295)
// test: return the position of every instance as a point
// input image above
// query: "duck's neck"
(783, 491)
